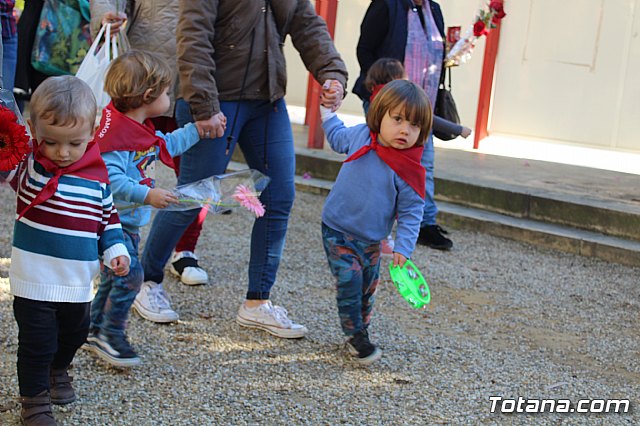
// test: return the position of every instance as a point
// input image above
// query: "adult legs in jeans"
(9, 61)
(428, 161)
(431, 234)
(49, 334)
(264, 133)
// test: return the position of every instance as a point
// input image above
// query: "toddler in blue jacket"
(138, 83)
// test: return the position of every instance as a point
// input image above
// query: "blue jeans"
(356, 267)
(9, 61)
(113, 300)
(263, 132)
(428, 161)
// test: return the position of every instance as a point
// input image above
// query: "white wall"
(567, 71)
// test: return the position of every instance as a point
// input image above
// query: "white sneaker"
(272, 319)
(184, 264)
(153, 303)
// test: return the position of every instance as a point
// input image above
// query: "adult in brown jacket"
(232, 66)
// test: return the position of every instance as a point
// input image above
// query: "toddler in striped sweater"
(66, 224)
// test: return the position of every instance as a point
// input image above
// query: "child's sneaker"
(364, 351)
(272, 319)
(116, 350)
(184, 264)
(60, 386)
(386, 247)
(92, 337)
(153, 303)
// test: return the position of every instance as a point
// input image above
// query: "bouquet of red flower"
(486, 19)
(14, 139)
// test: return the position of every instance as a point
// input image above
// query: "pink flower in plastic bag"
(248, 200)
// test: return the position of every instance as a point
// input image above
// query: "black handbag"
(446, 107)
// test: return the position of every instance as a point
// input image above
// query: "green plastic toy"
(410, 284)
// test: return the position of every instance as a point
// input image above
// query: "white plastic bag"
(94, 66)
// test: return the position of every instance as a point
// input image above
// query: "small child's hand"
(120, 265)
(160, 198)
(465, 132)
(332, 94)
(398, 259)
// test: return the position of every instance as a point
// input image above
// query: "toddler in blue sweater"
(138, 83)
(381, 180)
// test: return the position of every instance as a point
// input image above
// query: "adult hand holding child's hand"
(332, 94)
(214, 127)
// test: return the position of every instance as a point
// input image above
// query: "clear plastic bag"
(219, 193)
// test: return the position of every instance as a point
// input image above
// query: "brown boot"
(36, 410)
(61, 390)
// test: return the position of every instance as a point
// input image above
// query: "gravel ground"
(506, 319)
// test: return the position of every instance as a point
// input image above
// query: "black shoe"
(116, 350)
(364, 351)
(432, 236)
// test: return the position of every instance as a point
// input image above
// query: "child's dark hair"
(383, 71)
(131, 74)
(410, 99)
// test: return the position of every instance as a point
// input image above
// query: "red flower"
(479, 28)
(14, 142)
(498, 9)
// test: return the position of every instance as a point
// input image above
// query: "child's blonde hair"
(407, 96)
(132, 74)
(383, 71)
(63, 101)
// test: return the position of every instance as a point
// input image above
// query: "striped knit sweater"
(57, 245)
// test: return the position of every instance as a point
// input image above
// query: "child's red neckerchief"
(117, 132)
(405, 162)
(90, 166)
(376, 89)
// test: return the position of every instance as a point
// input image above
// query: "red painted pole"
(486, 86)
(327, 9)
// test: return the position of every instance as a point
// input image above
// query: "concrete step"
(530, 197)
(549, 235)
(575, 209)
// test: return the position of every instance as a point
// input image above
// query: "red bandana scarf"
(405, 162)
(90, 166)
(117, 132)
(376, 89)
